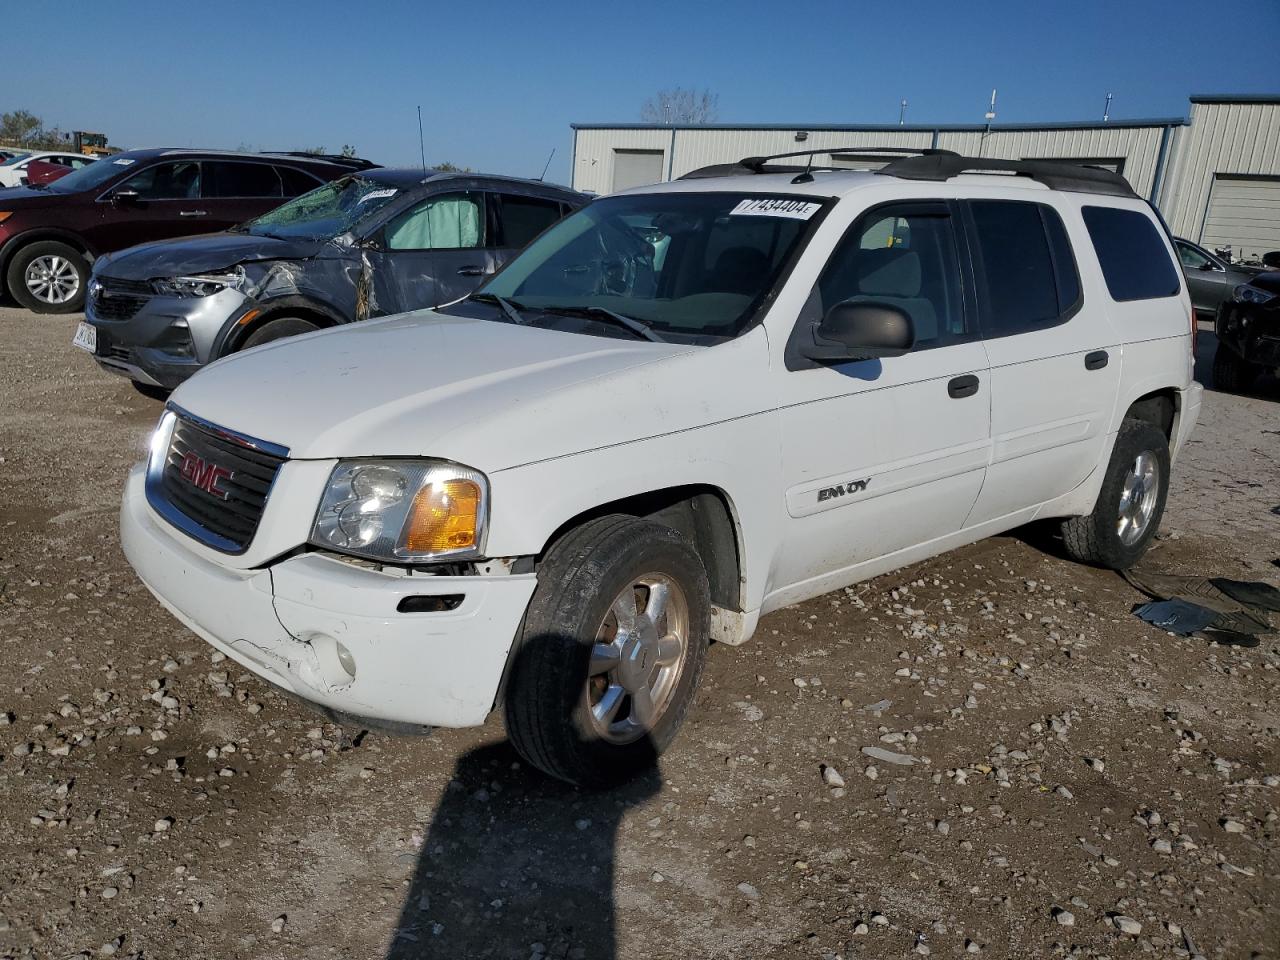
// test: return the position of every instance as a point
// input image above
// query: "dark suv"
(373, 243)
(49, 235)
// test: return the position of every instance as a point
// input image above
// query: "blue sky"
(499, 83)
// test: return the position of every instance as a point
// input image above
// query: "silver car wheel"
(636, 660)
(1138, 498)
(52, 279)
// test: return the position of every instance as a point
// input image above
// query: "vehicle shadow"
(516, 865)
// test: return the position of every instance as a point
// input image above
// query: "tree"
(19, 126)
(679, 105)
(447, 167)
(348, 150)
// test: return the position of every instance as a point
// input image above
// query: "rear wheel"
(611, 651)
(1232, 373)
(48, 277)
(1130, 504)
(278, 329)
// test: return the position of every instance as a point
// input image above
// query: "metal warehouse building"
(1215, 175)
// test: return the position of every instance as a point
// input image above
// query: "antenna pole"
(1106, 109)
(546, 166)
(422, 144)
(902, 112)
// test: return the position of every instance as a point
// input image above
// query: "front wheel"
(1130, 504)
(48, 277)
(277, 329)
(611, 651)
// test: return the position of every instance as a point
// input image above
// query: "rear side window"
(523, 218)
(1134, 260)
(224, 178)
(295, 181)
(1026, 266)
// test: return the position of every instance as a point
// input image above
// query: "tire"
(1232, 373)
(1104, 538)
(277, 329)
(48, 277)
(552, 703)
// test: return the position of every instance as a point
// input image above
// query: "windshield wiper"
(638, 327)
(510, 308)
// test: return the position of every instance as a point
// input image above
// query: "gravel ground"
(985, 753)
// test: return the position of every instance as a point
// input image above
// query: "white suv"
(680, 408)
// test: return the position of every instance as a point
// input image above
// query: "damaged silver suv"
(379, 242)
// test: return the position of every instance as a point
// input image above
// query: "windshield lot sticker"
(377, 195)
(791, 209)
(122, 162)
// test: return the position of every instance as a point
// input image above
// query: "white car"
(13, 171)
(680, 408)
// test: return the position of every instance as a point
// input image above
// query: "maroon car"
(50, 233)
(46, 171)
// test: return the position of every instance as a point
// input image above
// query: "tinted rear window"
(1134, 260)
(224, 178)
(523, 218)
(1017, 265)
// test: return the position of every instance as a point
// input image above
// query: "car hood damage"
(210, 253)
(475, 391)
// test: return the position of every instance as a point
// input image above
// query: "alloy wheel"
(637, 658)
(1138, 498)
(52, 279)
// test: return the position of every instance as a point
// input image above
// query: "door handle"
(961, 387)
(471, 271)
(193, 213)
(1096, 360)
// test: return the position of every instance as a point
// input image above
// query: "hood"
(1269, 281)
(487, 394)
(25, 198)
(203, 254)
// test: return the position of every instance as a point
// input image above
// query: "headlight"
(403, 510)
(203, 285)
(1247, 293)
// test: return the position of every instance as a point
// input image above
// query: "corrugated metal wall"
(1224, 138)
(1139, 147)
(689, 149)
(593, 153)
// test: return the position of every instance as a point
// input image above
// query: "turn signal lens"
(445, 516)
(5, 215)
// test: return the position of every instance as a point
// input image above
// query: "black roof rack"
(748, 166)
(338, 159)
(1056, 175)
(935, 165)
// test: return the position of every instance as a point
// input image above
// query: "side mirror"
(125, 195)
(1207, 265)
(862, 330)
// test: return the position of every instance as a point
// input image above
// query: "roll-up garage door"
(1245, 213)
(636, 168)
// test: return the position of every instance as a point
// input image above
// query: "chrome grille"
(226, 513)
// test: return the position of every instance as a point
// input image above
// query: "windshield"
(92, 175)
(692, 265)
(325, 212)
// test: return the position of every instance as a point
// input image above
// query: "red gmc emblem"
(205, 475)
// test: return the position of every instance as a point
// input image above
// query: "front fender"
(531, 503)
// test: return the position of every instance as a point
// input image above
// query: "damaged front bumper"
(332, 632)
(160, 340)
